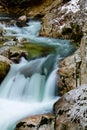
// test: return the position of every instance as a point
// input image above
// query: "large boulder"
(71, 110)
(73, 69)
(65, 20)
(4, 67)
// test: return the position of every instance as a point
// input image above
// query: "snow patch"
(78, 111)
(71, 6)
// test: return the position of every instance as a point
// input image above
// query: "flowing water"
(29, 88)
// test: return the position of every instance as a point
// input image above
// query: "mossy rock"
(4, 68)
(35, 50)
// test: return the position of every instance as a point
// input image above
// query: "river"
(30, 86)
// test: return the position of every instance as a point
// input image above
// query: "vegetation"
(35, 50)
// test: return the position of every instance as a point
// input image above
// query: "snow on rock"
(71, 6)
(79, 109)
(73, 107)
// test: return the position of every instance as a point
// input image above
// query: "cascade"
(29, 87)
(50, 86)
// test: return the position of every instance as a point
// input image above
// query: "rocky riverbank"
(71, 111)
(62, 19)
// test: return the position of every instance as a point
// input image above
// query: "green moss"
(35, 50)
(4, 68)
(1, 43)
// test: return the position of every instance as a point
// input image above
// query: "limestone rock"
(73, 69)
(83, 49)
(71, 110)
(39, 122)
(67, 77)
(65, 20)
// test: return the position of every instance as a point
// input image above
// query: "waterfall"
(19, 91)
(25, 78)
(29, 87)
(51, 85)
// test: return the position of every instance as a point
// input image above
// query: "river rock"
(71, 110)
(21, 22)
(39, 122)
(23, 18)
(15, 56)
(4, 67)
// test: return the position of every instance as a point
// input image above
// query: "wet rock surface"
(16, 56)
(21, 21)
(39, 122)
(70, 113)
(4, 67)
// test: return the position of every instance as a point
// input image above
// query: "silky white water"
(22, 95)
(29, 87)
